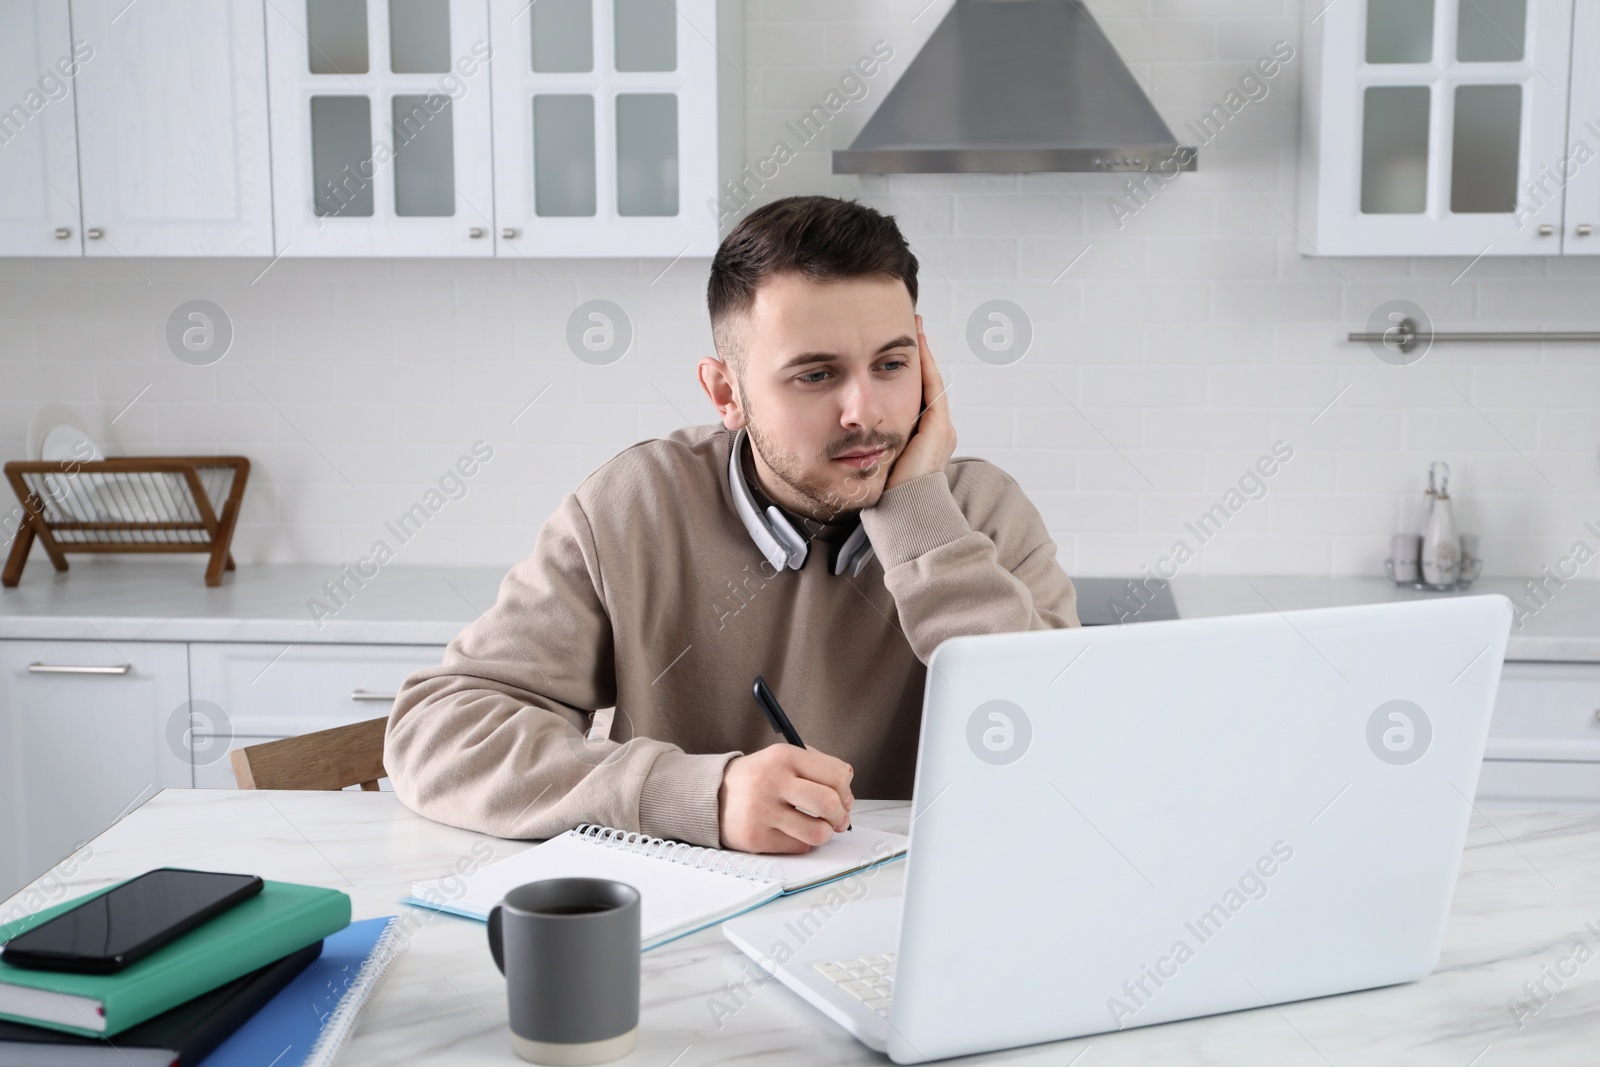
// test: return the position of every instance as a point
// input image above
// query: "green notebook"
(281, 919)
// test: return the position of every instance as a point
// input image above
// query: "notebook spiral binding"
(337, 1029)
(753, 868)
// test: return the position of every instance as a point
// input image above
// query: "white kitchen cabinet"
(380, 127)
(1579, 166)
(1544, 739)
(39, 63)
(367, 127)
(91, 730)
(1539, 784)
(263, 692)
(609, 122)
(1424, 120)
(1547, 711)
(172, 128)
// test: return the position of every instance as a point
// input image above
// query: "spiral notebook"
(682, 888)
(310, 1020)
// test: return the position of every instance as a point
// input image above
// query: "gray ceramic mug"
(569, 948)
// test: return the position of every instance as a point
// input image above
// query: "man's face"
(830, 387)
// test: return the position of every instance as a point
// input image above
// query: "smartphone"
(115, 929)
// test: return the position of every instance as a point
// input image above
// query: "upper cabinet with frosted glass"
(1434, 127)
(1580, 167)
(380, 127)
(606, 126)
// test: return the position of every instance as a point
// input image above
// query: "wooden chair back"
(328, 759)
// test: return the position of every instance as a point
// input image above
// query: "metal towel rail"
(1405, 335)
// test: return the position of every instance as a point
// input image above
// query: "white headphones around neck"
(778, 540)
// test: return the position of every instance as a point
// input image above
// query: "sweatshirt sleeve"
(494, 739)
(983, 565)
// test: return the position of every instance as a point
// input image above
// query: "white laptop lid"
(1170, 819)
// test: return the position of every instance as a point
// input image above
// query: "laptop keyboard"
(870, 979)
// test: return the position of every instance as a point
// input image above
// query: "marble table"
(1529, 891)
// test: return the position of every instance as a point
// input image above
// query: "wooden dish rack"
(143, 504)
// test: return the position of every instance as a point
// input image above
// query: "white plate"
(63, 428)
(67, 443)
(58, 435)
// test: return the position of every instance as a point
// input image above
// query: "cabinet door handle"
(1546, 230)
(475, 232)
(1584, 229)
(362, 694)
(62, 233)
(64, 668)
(508, 232)
(95, 234)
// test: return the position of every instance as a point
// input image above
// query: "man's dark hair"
(822, 238)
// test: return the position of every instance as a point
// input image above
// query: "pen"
(775, 715)
(780, 723)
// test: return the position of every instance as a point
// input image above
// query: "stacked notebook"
(682, 888)
(182, 1035)
(284, 969)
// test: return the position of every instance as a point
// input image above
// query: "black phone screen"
(134, 919)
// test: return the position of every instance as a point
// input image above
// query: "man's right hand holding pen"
(786, 798)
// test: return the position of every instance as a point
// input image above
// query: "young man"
(831, 554)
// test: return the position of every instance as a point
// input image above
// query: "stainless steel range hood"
(1006, 86)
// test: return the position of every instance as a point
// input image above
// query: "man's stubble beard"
(824, 502)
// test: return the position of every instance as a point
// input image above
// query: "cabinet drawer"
(212, 767)
(1546, 711)
(1540, 783)
(266, 690)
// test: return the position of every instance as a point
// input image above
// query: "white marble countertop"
(122, 601)
(116, 600)
(1563, 626)
(1530, 881)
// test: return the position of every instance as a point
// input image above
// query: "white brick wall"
(1187, 341)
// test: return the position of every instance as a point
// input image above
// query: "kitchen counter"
(1564, 627)
(120, 601)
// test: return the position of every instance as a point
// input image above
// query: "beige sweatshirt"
(646, 595)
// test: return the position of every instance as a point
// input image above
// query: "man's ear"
(716, 378)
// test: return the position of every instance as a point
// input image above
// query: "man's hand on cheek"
(783, 799)
(933, 438)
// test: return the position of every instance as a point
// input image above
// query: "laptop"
(1125, 825)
